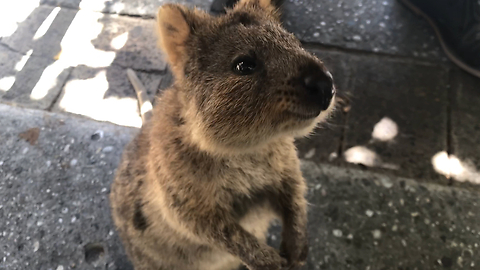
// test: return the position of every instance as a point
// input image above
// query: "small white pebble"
(25, 150)
(273, 237)
(67, 148)
(73, 162)
(394, 228)
(337, 233)
(107, 149)
(310, 153)
(36, 246)
(377, 234)
(1, 162)
(60, 267)
(318, 186)
(386, 182)
(404, 243)
(369, 213)
(357, 38)
(73, 219)
(64, 210)
(332, 156)
(350, 236)
(316, 34)
(48, 163)
(104, 190)
(60, 220)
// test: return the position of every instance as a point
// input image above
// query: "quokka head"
(246, 79)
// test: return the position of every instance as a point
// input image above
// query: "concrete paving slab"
(30, 81)
(89, 38)
(376, 26)
(72, 4)
(362, 220)
(145, 8)
(398, 119)
(465, 123)
(105, 94)
(8, 62)
(53, 194)
(38, 68)
(41, 32)
(133, 40)
(54, 204)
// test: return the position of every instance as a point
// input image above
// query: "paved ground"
(393, 176)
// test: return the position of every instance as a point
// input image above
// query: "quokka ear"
(175, 25)
(266, 5)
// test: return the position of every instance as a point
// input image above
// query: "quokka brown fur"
(199, 186)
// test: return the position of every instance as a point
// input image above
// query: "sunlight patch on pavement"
(117, 7)
(48, 80)
(6, 83)
(20, 64)
(385, 130)
(363, 155)
(13, 13)
(452, 167)
(46, 24)
(86, 97)
(119, 41)
(77, 47)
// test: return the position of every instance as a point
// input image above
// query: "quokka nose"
(319, 87)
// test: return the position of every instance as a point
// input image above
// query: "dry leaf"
(30, 135)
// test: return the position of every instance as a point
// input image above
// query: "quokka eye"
(244, 65)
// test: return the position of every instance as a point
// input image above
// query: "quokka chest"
(253, 173)
(252, 184)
